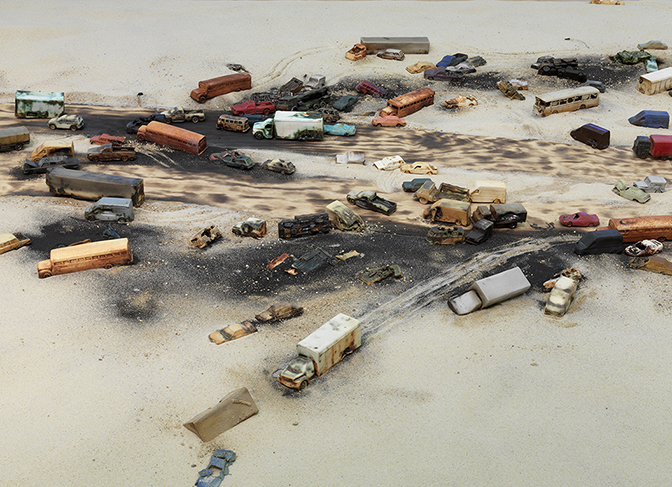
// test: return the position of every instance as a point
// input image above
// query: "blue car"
(452, 60)
(339, 129)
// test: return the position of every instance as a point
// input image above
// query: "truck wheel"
(303, 384)
(169, 120)
(73, 127)
(108, 266)
(513, 225)
(45, 274)
(124, 158)
(52, 126)
(423, 201)
(267, 111)
(258, 135)
(141, 138)
(19, 146)
(195, 120)
(202, 98)
(95, 159)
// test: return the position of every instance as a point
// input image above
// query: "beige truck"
(53, 148)
(14, 138)
(429, 193)
(488, 192)
(449, 211)
(85, 256)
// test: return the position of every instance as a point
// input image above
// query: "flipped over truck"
(321, 350)
(291, 125)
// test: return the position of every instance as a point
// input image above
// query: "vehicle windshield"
(297, 367)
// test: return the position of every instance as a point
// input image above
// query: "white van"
(109, 209)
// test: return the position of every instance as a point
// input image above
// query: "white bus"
(566, 100)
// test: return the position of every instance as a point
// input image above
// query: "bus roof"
(89, 249)
(657, 75)
(640, 222)
(40, 95)
(410, 97)
(176, 132)
(562, 94)
(8, 132)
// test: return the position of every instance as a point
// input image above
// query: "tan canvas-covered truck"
(53, 148)
(14, 138)
(321, 350)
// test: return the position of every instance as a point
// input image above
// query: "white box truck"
(491, 290)
(321, 350)
(291, 125)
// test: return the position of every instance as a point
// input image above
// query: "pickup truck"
(250, 107)
(429, 193)
(109, 152)
(179, 114)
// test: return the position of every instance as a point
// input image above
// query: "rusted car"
(180, 114)
(369, 200)
(440, 74)
(109, 152)
(235, 159)
(312, 260)
(304, 225)
(561, 296)
(461, 102)
(232, 332)
(279, 165)
(440, 235)
(280, 311)
(9, 241)
(380, 273)
(419, 168)
(508, 89)
(389, 163)
(344, 218)
(644, 248)
(205, 237)
(252, 227)
(395, 54)
(449, 211)
(107, 139)
(370, 89)
(250, 107)
(293, 86)
(357, 52)
(389, 121)
(429, 193)
(580, 219)
(655, 263)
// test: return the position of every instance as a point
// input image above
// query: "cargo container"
(656, 82)
(321, 350)
(490, 291)
(14, 138)
(657, 146)
(39, 104)
(84, 256)
(93, 185)
(175, 137)
(221, 85)
(291, 125)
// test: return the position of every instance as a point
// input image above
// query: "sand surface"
(102, 368)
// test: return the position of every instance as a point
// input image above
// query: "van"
(592, 135)
(84, 256)
(488, 192)
(449, 211)
(233, 123)
(655, 119)
(53, 148)
(600, 242)
(108, 209)
(14, 138)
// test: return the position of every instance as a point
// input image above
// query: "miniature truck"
(290, 125)
(109, 152)
(321, 350)
(179, 114)
(14, 138)
(429, 193)
(656, 146)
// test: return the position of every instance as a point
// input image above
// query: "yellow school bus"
(84, 256)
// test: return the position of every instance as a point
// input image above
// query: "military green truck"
(14, 138)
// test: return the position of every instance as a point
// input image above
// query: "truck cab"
(297, 373)
(263, 130)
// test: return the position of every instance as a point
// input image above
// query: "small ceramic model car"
(236, 160)
(595, 84)
(420, 66)
(293, 86)
(357, 52)
(370, 89)
(132, 127)
(41, 166)
(561, 296)
(508, 214)
(452, 60)
(389, 121)
(380, 273)
(232, 332)
(592, 135)
(252, 227)
(316, 81)
(551, 64)
(9, 241)
(655, 263)
(463, 68)
(480, 232)
(369, 200)
(652, 45)
(339, 129)
(217, 469)
(508, 89)
(429, 193)
(419, 168)
(445, 235)
(389, 163)
(344, 218)
(180, 114)
(107, 139)
(608, 241)
(71, 122)
(655, 119)
(108, 209)
(303, 225)
(652, 184)
(644, 248)
(414, 184)
(579, 219)
(313, 260)
(395, 54)
(329, 115)
(279, 312)
(440, 74)
(630, 193)
(351, 157)
(345, 103)
(461, 102)
(279, 165)
(250, 107)
(449, 211)
(109, 152)
(205, 237)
